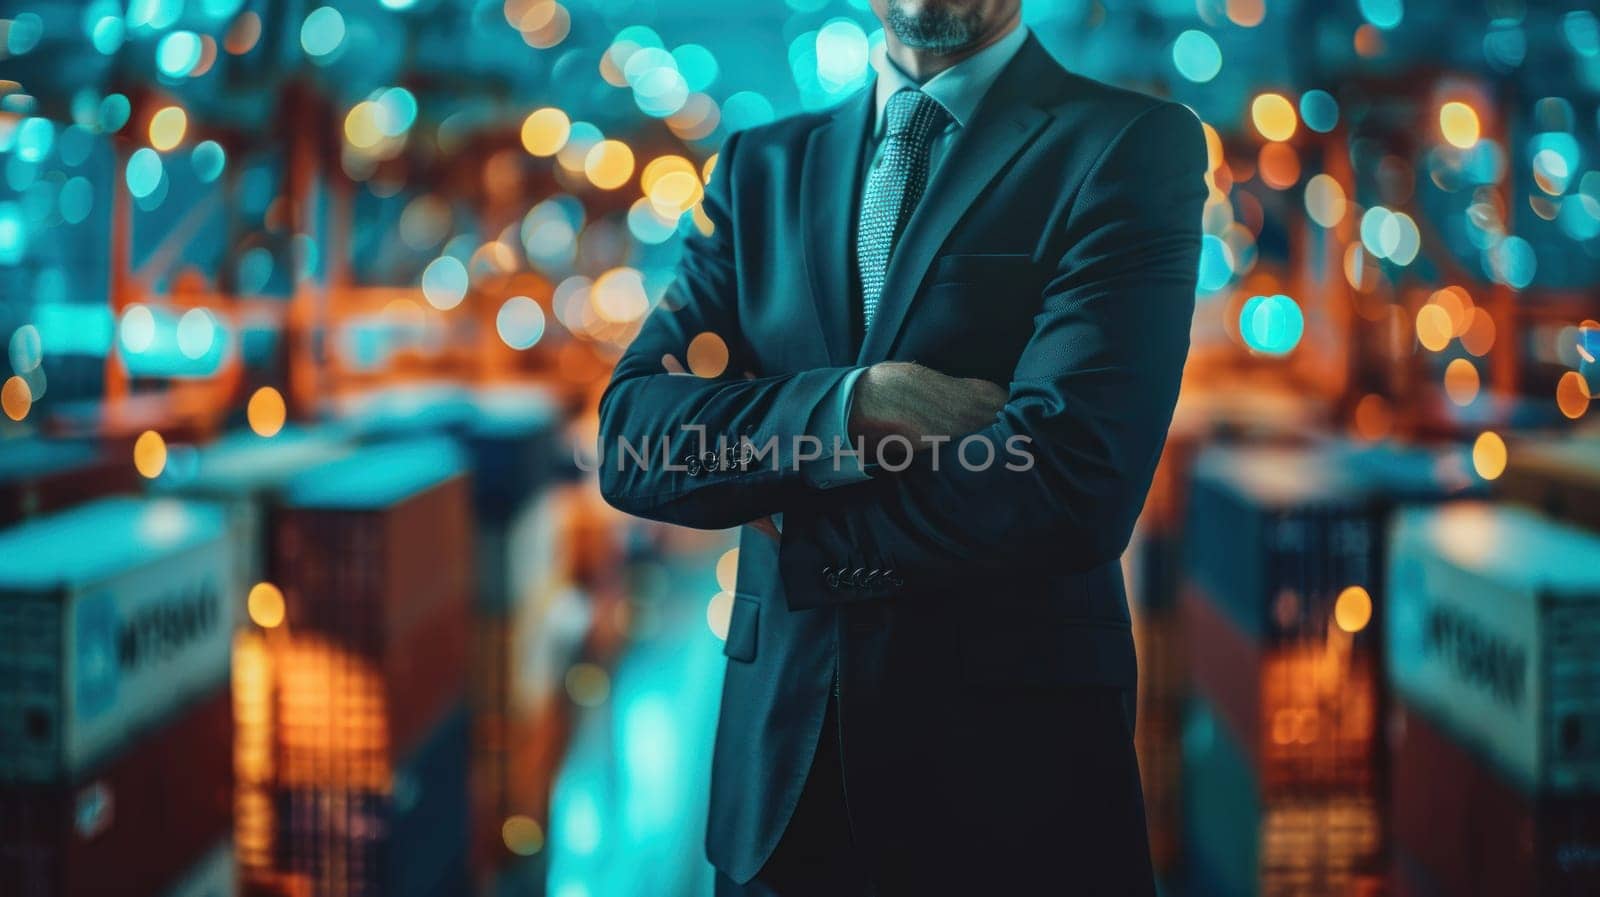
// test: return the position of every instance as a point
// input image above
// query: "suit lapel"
(828, 190)
(1006, 121)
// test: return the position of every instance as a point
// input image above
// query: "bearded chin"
(937, 30)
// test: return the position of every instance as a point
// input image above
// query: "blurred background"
(304, 590)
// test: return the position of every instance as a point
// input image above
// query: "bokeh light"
(1352, 610)
(520, 322)
(1319, 110)
(16, 399)
(266, 411)
(178, 53)
(167, 127)
(1459, 124)
(1489, 455)
(609, 164)
(708, 355)
(322, 32)
(1325, 200)
(1434, 328)
(1572, 395)
(1196, 56)
(444, 282)
(522, 835)
(1274, 116)
(1461, 381)
(208, 159)
(1271, 325)
(265, 605)
(150, 454)
(545, 131)
(719, 610)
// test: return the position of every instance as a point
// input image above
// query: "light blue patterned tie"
(894, 186)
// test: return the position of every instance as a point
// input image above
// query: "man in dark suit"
(930, 664)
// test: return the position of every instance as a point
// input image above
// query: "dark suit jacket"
(1055, 250)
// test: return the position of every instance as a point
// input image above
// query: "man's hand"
(915, 402)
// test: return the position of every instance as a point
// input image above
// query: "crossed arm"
(1090, 398)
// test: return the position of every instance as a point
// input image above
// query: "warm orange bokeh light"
(265, 605)
(1572, 395)
(1374, 419)
(708, 355)
(609, 164)
(1489, 455)
(1274, 116)
(1461, 381)
(1246, 13)
(1352, 611)
(1434, 328)
(727, 569)
(545, 131)
(1458, 122)
(1279, 166)
(1478, 338)
(150, 454)
(266, 411)
(167, 127)
(16, 398)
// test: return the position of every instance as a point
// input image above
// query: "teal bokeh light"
(178, 54)
(1271, 325)
(1319, 110)
(144, 172)
(1197, 56)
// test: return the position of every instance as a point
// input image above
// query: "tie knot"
(913, 113)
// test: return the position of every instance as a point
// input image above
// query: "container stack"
(1559, 479)
(352, 760)
(1495, 612)
(115, 714)
(38, 476)
(1280, 604)
(245, 474)
(1153, 567)
(514, 443)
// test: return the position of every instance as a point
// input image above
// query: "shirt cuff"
(840, 464)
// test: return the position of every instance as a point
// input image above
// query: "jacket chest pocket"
(983, 268)
(975, 315)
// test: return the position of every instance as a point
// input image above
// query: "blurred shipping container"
(353, 770)
(117, 615)
(115, 718)
(1495, 615)
(1496, 734)
(92, 835)
(245, 473)
(1561, 479)
(42, 475)
(1280, 606)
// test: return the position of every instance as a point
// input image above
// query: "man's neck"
(921, 65)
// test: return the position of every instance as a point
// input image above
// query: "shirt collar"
(959, 88)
